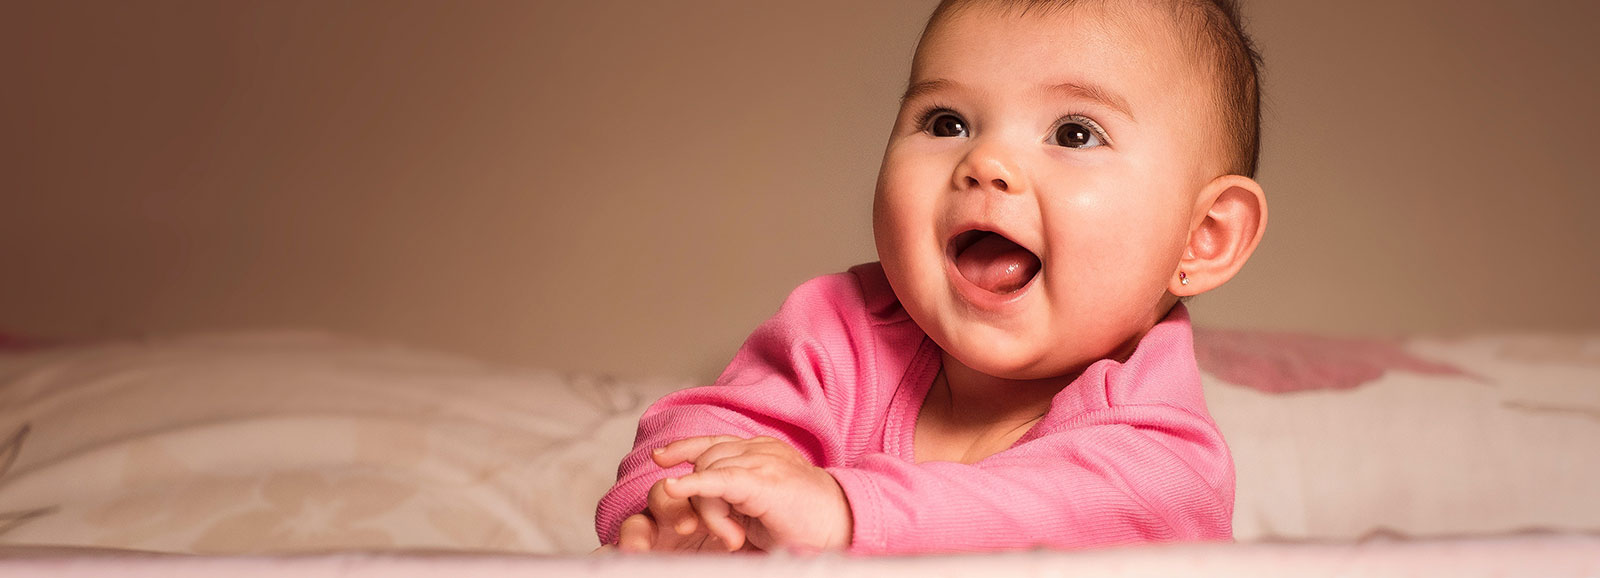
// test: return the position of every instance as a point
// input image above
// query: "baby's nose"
(998, 183)
(992, 164)
(989, 169)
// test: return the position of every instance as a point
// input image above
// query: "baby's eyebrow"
(921, 89)
(1096, 94)
(1076, 90)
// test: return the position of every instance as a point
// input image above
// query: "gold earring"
(1183, 278)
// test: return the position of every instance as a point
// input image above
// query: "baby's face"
(1040, 185)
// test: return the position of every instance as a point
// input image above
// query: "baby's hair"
(1216, 27)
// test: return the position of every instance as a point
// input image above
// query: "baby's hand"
(758, 491)
(671, 525)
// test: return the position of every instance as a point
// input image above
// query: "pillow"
(1343, 438)
(298, 442)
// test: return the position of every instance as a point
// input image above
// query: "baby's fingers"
(686, 450)
(717, 516)
(638, 534)
(732, 485)
(671, 513)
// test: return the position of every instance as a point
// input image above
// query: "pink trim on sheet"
(1289, 362)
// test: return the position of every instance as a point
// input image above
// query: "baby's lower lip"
(992, 262)
(983, 299)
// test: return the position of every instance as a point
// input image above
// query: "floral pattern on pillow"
(1290, 362)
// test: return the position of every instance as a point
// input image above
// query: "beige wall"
(632, 186)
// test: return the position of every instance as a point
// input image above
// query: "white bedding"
(299, 442)
(1547, 556)
(272, 443)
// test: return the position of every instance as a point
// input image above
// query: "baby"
(1018, 370)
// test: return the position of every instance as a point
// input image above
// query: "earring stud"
(1183, 278)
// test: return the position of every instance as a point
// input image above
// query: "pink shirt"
(1127, 453)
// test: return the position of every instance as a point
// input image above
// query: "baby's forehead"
(1141, 47)
(1188, 60)
(1141, 55)
(1153, 27)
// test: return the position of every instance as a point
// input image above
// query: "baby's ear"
(1232, 213)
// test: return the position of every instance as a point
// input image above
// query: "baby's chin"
(1033, 353)
(1018, 363)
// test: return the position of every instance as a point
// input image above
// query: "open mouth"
(993, 262)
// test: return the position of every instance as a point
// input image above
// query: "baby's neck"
(978, 398)
(968, 416)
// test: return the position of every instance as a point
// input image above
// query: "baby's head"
(1062, 172)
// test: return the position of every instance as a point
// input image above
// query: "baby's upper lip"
(956, 232)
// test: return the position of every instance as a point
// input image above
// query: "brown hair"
(1216, 27)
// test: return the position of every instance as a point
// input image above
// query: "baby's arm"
(1131, 474)
(1096, 485)
(774, 387)
(687, 415)
(1145, 473)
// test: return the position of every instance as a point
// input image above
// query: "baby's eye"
(1079, 133)
(945, 124)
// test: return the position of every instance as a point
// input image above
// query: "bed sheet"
(285, 442)
(1546, 556)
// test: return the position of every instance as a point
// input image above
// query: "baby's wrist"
(844, 531)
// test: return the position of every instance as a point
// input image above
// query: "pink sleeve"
(1122, 475)
(779, 384)
(1122, 461)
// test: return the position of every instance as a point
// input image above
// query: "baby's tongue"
(997, 264)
